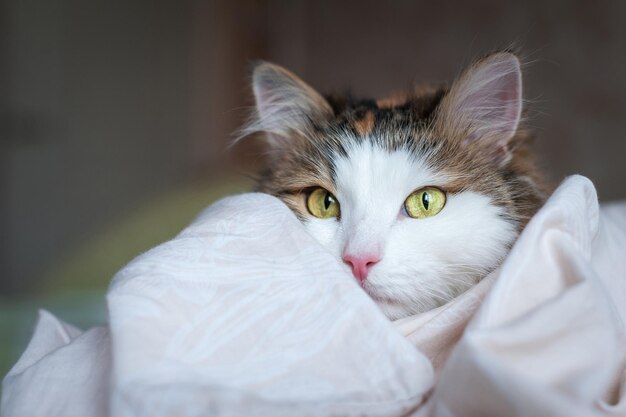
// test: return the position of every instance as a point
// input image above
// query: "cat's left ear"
(484, 106)
(285, 104)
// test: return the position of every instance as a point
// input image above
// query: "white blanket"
(244, 314)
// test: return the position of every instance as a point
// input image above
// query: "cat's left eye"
(425, 202)
(322, 204)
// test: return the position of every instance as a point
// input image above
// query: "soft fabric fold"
(243, 313)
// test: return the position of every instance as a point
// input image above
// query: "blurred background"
(116, 115)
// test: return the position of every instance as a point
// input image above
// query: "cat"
(419, 195)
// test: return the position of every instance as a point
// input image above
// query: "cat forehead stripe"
(365, 125)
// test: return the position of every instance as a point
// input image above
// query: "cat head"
(419, 195)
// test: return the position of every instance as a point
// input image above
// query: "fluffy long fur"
(465, 139)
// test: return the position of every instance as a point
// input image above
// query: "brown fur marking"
(393, 100)
(365, 125)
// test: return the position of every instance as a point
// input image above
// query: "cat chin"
(399, 310)
(409, 301)
(395, 309)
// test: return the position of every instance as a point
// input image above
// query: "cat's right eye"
(322, 204)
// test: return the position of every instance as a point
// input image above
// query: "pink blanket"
(244, 314)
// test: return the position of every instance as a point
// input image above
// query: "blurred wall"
(98, 119)
(574, 54)
(109, 102)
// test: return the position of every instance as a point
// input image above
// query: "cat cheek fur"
(428, 262)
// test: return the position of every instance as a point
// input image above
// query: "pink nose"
(361, 264)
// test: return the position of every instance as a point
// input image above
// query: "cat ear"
(285, 104)
(483, 107)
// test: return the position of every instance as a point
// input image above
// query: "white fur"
(425, 262)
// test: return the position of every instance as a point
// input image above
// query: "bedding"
(245, 314)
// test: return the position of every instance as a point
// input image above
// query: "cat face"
(418, 196)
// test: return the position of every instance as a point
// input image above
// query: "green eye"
(321, 203)
(425, 202)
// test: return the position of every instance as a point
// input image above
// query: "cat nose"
(361, 264)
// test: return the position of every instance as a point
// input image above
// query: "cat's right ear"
(285, 105)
